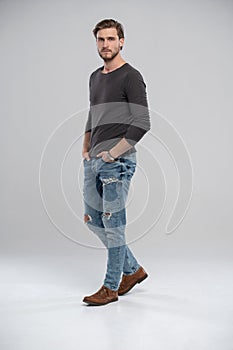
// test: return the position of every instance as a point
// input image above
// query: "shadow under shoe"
(129, 281)
(102, 297)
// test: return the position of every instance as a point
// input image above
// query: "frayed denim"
(105, 191)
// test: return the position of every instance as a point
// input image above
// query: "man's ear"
(121, 43)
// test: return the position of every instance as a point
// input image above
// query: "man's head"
(109, 36)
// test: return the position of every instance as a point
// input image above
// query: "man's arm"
(86, 145)
(135, 88)
(121, 147)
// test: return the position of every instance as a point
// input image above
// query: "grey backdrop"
(184, 51)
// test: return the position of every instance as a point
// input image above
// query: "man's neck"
(109, 66)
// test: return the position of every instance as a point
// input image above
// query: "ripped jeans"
(105, 191)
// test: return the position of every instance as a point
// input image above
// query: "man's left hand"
(105, 156)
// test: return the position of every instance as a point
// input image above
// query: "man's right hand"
(86, 155)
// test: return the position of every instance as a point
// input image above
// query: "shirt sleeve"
(135, 89)
(88, 122)
(88, 125)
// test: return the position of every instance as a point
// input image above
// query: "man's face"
(108, 43)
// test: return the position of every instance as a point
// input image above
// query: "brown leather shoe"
(103, 296)
(129, 281)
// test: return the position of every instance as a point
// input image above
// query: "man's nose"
(105, 43)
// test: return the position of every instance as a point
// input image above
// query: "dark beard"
(108, 59)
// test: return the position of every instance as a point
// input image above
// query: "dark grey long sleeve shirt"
(118, 108)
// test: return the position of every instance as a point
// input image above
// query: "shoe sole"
(98, 304)
(139, 281)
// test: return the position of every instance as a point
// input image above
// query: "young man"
(117, 120)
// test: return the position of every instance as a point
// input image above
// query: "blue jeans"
(105, 191)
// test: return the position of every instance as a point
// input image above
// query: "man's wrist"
(110, 156)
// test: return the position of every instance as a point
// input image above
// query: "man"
(117, 120)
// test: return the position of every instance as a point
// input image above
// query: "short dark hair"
(109, 23)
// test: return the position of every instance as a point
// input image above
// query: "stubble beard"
(108, 59)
